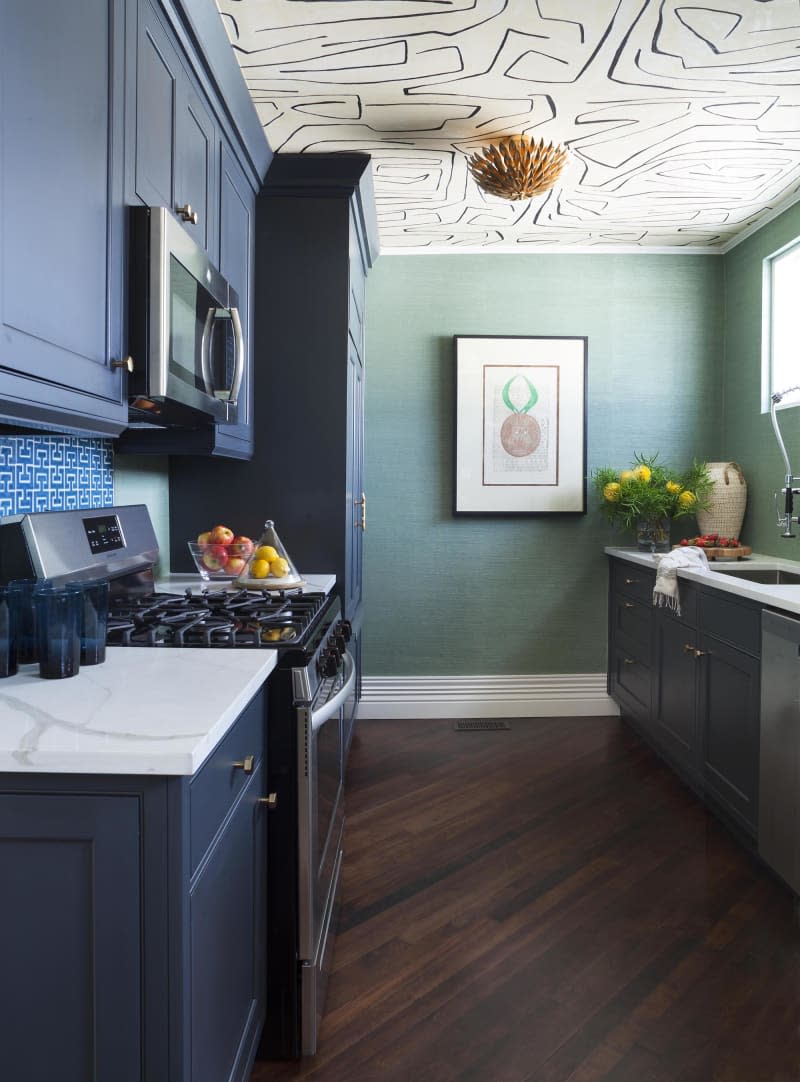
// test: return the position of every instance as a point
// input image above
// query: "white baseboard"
(568, 695)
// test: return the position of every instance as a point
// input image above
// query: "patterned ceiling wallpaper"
(682, 119)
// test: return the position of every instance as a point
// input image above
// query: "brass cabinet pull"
(688, 648)
(628, 661)
(362, 503)
(246, 764)
(628, 605)
(630, 582)
(271, 801)
(127, 364)
(700, 653)
(188, 214)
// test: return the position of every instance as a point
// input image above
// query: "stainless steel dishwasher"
(779, 770)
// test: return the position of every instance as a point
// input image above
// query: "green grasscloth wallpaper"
(519, 595)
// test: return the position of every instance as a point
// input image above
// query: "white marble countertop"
(160, 711)
(782, 597)
(142, 711)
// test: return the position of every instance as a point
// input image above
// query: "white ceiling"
(682, 119)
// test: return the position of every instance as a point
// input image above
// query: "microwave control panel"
(104, 533)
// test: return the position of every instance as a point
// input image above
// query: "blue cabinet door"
(61, 214)
(173, 145)
(70, 938)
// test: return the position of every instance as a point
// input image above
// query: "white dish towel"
(665, 591)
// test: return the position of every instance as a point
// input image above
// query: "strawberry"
(684, 541)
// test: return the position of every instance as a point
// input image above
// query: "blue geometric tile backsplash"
(55, 473)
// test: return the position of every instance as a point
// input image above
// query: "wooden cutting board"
(717, 553)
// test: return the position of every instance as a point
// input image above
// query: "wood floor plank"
(548, 904)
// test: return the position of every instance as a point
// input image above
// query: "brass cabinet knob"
(628, 661)
(688, 648)
(700, 653)
(628, 605)
(127, 363)
(631, 582)
(188, 214)
(271, 801)
(245, 764)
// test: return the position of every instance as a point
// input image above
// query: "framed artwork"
(520, 426)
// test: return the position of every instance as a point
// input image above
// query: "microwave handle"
(238, 371)
(205, 349)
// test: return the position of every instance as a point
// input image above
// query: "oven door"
(320, 834)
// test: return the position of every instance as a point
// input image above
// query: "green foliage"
(650, 490)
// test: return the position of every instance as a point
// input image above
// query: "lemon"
(259, 569)
(611, 491)
(643, 473)
(687, 499)
(266, 552)
(627, 475)
(279, 567)
(673, 487)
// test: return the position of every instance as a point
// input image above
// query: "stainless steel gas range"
(310, 694)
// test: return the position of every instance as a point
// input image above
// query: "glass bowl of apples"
(220, 554)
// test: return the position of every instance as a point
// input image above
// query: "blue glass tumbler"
(94, 621)
(58, 630)
(8, 645)
(23, 618)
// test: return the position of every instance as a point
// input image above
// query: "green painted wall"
(747, 436)
(449, 595)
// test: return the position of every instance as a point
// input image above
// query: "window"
(781, 325)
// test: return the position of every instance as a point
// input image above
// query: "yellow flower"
(611, 491)
(643, 473)
(673, 487)
(687, 499)
(627, 475)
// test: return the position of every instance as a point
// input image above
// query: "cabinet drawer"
(688, 596)
(733, 621)
(631, 625)
(218, 782)
(633, 580)
(632, 676)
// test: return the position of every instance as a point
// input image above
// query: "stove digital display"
(103, 533)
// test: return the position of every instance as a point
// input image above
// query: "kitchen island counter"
(159, 711)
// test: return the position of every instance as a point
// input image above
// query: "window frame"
(768, 270)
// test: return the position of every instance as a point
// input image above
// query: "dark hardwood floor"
(545, 904)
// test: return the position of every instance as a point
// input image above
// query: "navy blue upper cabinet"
(61, 215)
(173, 143)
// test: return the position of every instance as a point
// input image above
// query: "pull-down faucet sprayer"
(785, 519)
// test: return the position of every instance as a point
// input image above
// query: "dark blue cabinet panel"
(69, 865)
(61, 214)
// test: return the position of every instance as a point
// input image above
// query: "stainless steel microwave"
(184, 332)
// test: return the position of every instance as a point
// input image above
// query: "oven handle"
(331, 707)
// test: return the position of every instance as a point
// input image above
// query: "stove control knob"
(345, 629)
(328, 664)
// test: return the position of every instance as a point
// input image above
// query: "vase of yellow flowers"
(648, 495)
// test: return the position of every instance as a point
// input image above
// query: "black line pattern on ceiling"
(682, 119)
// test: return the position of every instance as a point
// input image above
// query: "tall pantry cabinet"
(316, 239)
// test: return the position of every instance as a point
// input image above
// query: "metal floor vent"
(479, 725)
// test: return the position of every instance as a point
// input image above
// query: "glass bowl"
(219, 562)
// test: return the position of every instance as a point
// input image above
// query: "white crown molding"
(763, 220)
(567, 695)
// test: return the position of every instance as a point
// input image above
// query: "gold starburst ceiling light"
(517, 167)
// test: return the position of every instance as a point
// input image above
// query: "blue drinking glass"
(58, 630)
(23, 619)
(94, 621)
(8, 645)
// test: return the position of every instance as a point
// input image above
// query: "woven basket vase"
(726, 501)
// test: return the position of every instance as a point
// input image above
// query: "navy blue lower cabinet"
(128, 951)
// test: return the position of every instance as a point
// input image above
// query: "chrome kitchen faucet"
(785, 518)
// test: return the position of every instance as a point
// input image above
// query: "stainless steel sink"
(770, 576)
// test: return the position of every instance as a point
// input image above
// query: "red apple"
(236, 564)
(242, 545)
(204, 538)
(221, 535)
(215, 557)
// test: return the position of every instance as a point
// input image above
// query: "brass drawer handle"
(628, 661)
(271, 801)
(700, 653)
(245, 764)
(628, 605)
(631, 582)
(688, 648)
